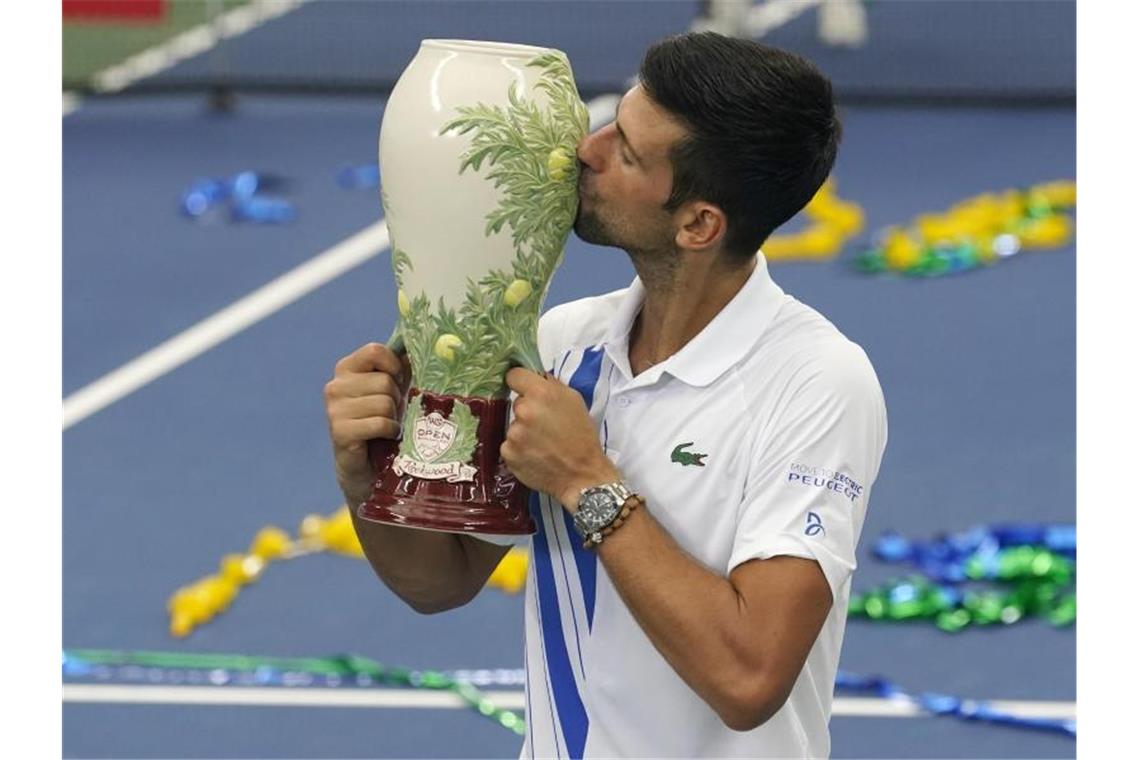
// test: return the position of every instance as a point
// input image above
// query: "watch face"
(596, 509)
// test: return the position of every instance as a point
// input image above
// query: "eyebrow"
(624, 137)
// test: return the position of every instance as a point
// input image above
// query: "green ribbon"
(340, 665)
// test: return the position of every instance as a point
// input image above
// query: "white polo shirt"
(761, 437)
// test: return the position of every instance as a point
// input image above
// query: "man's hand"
(364, 400)
(552, 445)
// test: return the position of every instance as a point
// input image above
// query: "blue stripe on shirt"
(585, 381)
(571, 711)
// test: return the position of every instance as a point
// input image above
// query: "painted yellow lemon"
(558, 164)
(516, 293)
(445, 346)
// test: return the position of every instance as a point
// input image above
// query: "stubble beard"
(657, 266)
(590, 229)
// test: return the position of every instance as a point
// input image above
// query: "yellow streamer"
(834, 221)
(206, 598)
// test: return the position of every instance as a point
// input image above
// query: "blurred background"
(224, 246)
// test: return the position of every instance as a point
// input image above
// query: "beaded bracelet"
(626, 510)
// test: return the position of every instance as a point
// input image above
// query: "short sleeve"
(812, 466)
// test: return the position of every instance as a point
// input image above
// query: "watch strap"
(586, 518)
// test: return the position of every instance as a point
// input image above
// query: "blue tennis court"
(978, 369)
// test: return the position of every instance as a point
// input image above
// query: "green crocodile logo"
(686, 458)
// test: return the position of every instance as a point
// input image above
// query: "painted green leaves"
(532, 154)
(527, 151)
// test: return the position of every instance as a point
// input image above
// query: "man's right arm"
(431, 571)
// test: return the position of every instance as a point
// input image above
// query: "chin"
(589, 230)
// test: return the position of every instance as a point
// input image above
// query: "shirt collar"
(723, 342)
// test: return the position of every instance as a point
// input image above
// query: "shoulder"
(583, 322)
(816, 362)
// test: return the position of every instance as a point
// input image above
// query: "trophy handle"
(396, 341)
(526, 355)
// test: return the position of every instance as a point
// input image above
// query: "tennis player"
(702, 450)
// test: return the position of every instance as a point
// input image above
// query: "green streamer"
(341, 666)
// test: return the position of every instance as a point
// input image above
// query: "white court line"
(258, 305)
(767, 16)
(877, 707)
(845, 707)
(263, 696)
(226, 323)
(192, 42)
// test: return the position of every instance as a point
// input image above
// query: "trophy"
(478, 158)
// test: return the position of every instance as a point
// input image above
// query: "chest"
(685, 450)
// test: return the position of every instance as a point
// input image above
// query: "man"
(709, 438)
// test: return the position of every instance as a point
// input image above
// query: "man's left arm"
(739, 642)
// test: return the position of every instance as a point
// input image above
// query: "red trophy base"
(491, 502)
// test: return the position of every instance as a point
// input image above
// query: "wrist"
(356, 489)
(597, 474)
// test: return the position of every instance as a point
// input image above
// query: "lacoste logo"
(686, 458)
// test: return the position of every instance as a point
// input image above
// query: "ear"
(701, 226)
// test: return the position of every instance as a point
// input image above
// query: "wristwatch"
(599, 507)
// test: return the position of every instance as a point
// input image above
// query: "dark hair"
(763, 129)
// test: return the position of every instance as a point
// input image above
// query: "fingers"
(357, 420)
(519, 409)
(507, 451)
(360, 384)
(523, 381)
(364, 407)
(348, 433)
(371, 357)
(364, 399)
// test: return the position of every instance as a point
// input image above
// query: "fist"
(552, 444)
(364, 400)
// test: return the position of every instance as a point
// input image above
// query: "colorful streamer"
(833, 221)
(352, 671)
(1034, 564)
(977, 232)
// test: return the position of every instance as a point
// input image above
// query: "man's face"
(626, 177)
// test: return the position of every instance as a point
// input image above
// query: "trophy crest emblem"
(432, 436)
(438, 448)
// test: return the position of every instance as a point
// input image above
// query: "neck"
(682, 295)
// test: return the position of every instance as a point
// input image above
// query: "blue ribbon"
(946, 705)
(243, 194)
(943, 559)
(360, 177)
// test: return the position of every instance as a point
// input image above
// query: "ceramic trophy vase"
(478, 159)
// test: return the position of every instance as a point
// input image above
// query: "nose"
(589, 150)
